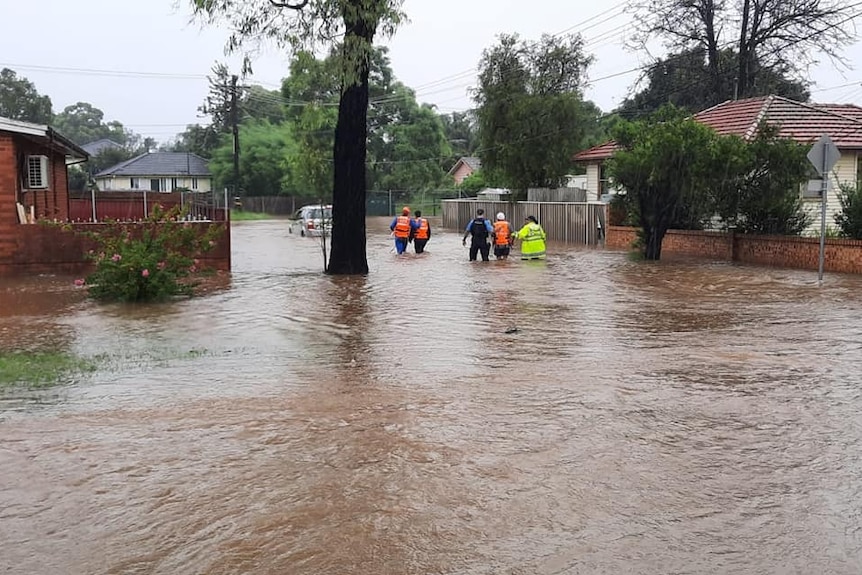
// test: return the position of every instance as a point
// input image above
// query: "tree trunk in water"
(349, 188)
(652, 244)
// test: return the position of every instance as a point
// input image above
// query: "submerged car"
(315, 220)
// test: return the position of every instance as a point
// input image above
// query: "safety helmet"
(501, 216)
(405, 210)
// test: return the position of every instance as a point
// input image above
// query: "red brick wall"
(52, 203)
(8, 211)
(843, 256)
(51, 249)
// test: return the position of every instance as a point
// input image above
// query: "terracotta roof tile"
(802, 122)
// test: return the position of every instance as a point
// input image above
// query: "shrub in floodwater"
(151, 260)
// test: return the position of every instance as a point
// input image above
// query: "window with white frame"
(37, 172)
(174, 184)
(135, 183)
(194, 183)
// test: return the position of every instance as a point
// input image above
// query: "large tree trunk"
(742, 72)
(349, 188)
(652, 243)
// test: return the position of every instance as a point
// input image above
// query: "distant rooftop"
(160, 164)
(799, 121)
(99, 146)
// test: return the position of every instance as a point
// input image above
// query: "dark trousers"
(419, 245)
(483, 247)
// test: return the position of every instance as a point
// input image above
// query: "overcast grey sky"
(143, 63)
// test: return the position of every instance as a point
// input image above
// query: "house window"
(37, 172)
(135, 183)
(194, 183)
(164, 185)
(174, 184)
(604, 181)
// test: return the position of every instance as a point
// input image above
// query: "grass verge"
(40, 369)
(242, 216)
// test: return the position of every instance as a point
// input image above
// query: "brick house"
(33, 178)
(464, 167)
(799, 121)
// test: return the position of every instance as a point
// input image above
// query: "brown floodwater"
(678, 417)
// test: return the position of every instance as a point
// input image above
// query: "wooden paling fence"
(581, 223)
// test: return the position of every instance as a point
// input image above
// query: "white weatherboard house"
(158, 172)
(799, 121)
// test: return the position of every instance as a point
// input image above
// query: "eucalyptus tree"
(352, 25)
(784, 36)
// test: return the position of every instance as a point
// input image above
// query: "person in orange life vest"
(503, 237)
(403, 227)
(422, 233)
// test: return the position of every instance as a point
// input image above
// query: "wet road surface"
(679, 417)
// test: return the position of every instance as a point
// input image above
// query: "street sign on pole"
(823, 155)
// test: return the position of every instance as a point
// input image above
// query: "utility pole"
(234, 121)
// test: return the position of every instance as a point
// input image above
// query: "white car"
(314, 220)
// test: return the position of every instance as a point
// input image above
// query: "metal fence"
(580, 223)
(132, 206)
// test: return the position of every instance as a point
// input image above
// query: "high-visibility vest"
(532, 238)
(422, 232)
(402, 227)
(502, 231)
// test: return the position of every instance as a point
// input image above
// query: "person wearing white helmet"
(503, 237)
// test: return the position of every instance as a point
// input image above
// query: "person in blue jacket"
(481, 229)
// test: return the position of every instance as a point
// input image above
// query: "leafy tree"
(665, 164)
(462, 133)
(530, 108)
(84, 123)
(311, 93)
(197, 139)
(263, 164)
(473, 184)
(779, 35)
(849, 219)
(307, 22)
(258, 103)
(407, 147)
(684, 80)
(19, 99)
(762, 189)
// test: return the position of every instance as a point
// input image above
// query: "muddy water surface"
(682, 417)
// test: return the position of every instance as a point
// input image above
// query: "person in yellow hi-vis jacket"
(532, 238)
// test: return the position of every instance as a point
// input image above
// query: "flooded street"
(680, 417)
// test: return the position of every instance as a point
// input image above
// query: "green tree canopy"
(264, 163)
(84, 123)
(307, 23)
(532, 117)
(687, 81)
(665, 165)
(19, 99)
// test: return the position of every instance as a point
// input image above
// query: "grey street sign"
(823, 154)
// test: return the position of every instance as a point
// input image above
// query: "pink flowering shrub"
(149, 261)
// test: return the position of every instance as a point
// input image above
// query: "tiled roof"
(160, 164)
(470, 161)
(99, 146)
(802, 122)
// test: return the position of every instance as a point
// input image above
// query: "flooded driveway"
(680, 417)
